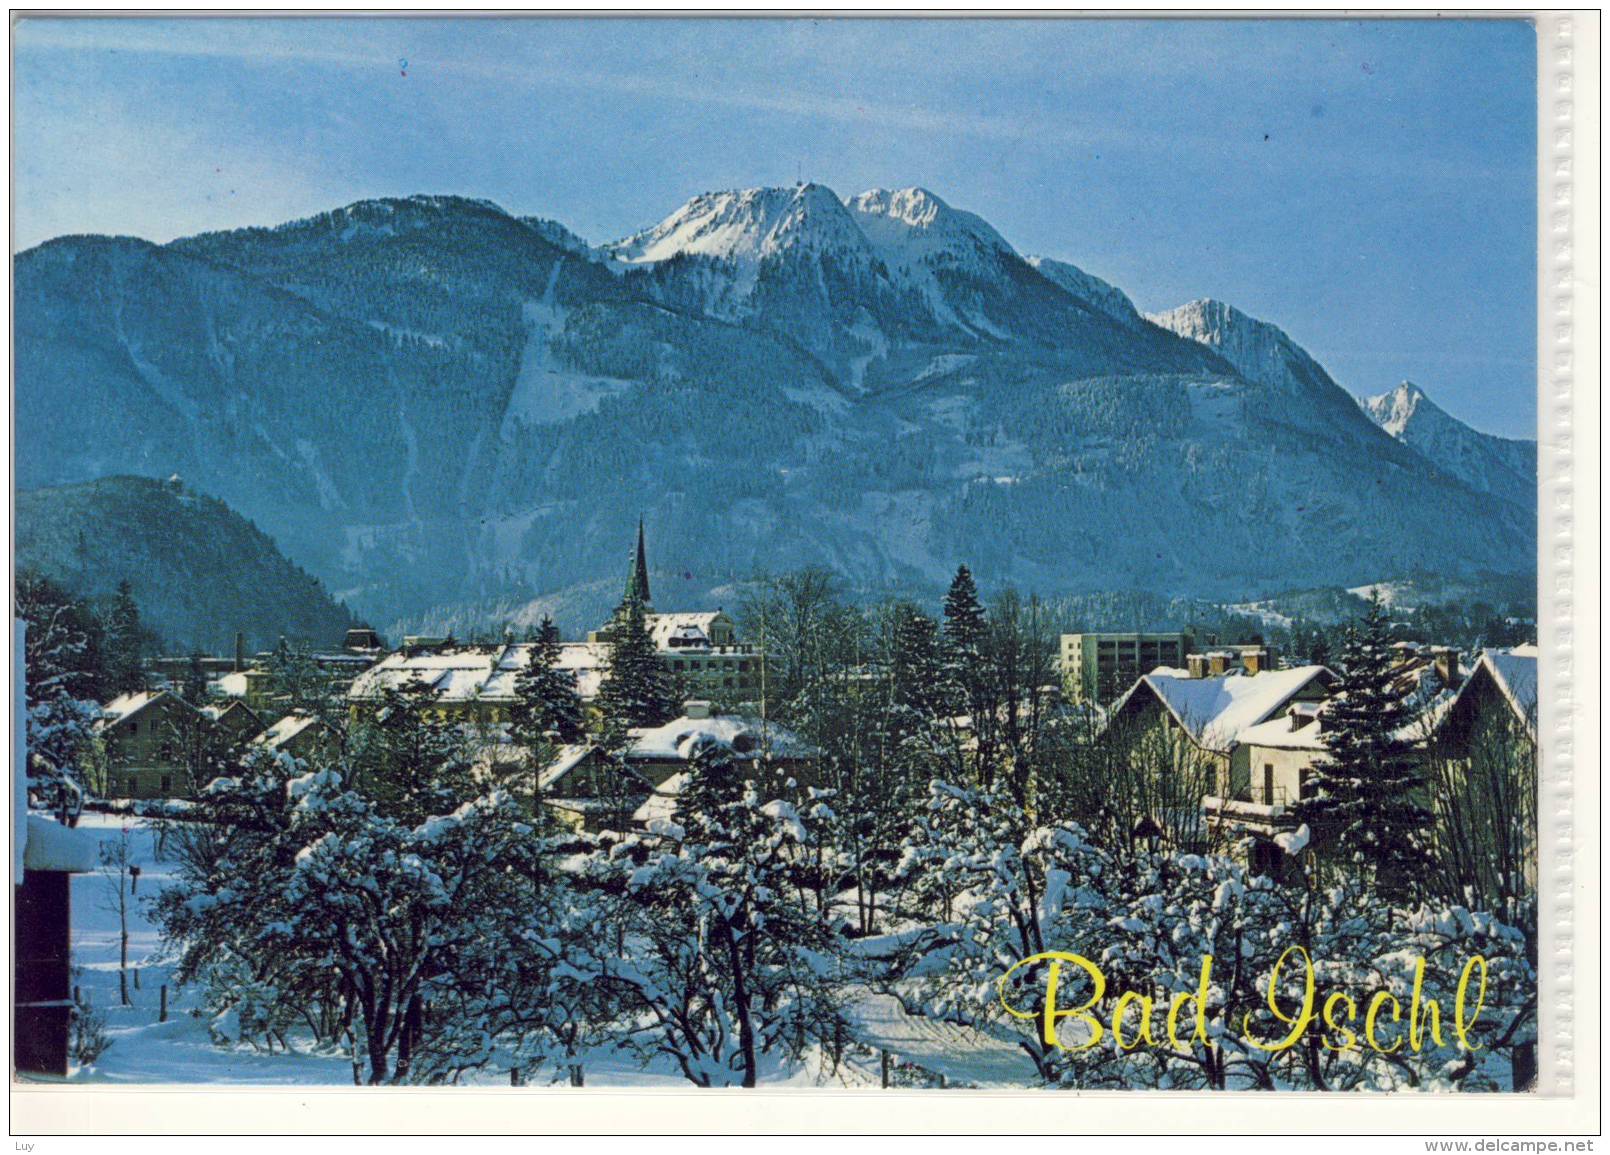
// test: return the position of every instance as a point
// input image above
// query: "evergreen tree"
(915, 668)
(966, 639)
(637, 689)
(1318, 647)
(1365, 808)
(965, 627)
(547, 706)
(125, 666)
(410, 760)
(296, 684)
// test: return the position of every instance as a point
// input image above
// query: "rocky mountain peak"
(1393, 411)
(747, 225)
(917, 221)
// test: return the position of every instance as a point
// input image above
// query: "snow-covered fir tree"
(408, 758)
(1367, 805)
(637, 688)
(547, 707)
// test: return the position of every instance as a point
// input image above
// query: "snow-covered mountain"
(430, 402)
(1092, 290)
(1498, 465)
(878, 287)
(748, 226)
(1258, 351)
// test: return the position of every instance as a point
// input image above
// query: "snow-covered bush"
(715, 953)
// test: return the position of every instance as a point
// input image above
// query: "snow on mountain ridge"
(826, 418)
(1488, 464)
(1092, 290)
(1259, 351)
(747, 225)
(1395, 410)
(915, 221)
(922, 241)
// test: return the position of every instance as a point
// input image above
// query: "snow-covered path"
(964, 1055)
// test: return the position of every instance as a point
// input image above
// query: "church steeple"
(637, 580)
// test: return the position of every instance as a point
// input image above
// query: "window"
(167, 785)
(134, 728)
(1268, 783)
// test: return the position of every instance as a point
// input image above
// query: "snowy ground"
(144, 1050)
(182, 1049)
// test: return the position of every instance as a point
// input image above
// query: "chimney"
(1196, 665)
(1445, 659)
(1218, 663)
(1255, 659)
(240, 651)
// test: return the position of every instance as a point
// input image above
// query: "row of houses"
(147, 738)
(1262, 732)
(156, 744)
(476, 683)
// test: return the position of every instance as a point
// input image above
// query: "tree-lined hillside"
(198, 571)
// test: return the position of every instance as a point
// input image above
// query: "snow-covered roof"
(568, 758)
(1278, 734)
(661, 627)
(1215, 711)
(284, 730)
(231, 685)
(126, 705)
(216, 712)
(661, 804)
(478, 673)
(1516, 671)
(676, 740)
(52, 846)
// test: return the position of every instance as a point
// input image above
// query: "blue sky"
(1369, 186)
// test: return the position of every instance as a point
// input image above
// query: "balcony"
(1258, 817)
